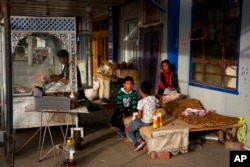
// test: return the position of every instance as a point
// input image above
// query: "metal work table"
(48, 119)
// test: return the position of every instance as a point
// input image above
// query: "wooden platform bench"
(223, 131)
(160, 141)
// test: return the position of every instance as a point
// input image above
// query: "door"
(149, 59)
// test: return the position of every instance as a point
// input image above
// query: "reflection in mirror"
(34, 59)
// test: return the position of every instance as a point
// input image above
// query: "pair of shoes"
(120, 135)
(139, 145)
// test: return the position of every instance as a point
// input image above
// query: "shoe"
(141, 141)
(158, 106)
(120, 135)
(139, 145)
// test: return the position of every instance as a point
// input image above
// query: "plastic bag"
(92, 93)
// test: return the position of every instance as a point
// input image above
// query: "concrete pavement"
(101, 148)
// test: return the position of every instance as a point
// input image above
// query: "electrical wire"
(24, 144)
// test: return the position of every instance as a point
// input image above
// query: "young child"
(144, 117)
(167, 79)
(126, 103)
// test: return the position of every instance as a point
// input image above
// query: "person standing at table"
(63, 57)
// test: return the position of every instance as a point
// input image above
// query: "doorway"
(149, 59)
(100, 42)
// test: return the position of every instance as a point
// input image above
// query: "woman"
(63, 57)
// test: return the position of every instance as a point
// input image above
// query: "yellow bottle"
(159, 117)
(155, 121)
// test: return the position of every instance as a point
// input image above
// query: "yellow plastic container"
(155, 121)
(159, 117)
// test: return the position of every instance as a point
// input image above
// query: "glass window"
(34, 59)
(214, 39)
(130, 41)
(150, 13)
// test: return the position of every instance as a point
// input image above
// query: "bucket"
(77, 134)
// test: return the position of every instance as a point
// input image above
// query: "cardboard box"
(38, 92)
(52, 103)
(121, 73)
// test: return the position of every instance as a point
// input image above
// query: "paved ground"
(102, 149)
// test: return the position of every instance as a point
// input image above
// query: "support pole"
(9, 84)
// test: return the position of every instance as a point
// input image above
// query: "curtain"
(149, 58)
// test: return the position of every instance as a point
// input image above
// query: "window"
(33, 60)
(150, 13)
(215, 43)
(101, 25)
(130, 41)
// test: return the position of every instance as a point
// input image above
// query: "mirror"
(34, 56)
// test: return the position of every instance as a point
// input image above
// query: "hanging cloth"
(242, 131)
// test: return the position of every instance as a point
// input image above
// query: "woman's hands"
(65, 81)
(55, 78)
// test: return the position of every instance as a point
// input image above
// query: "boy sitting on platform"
(126, 103)
(144, 117)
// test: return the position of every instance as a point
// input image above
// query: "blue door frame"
(173, 32)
